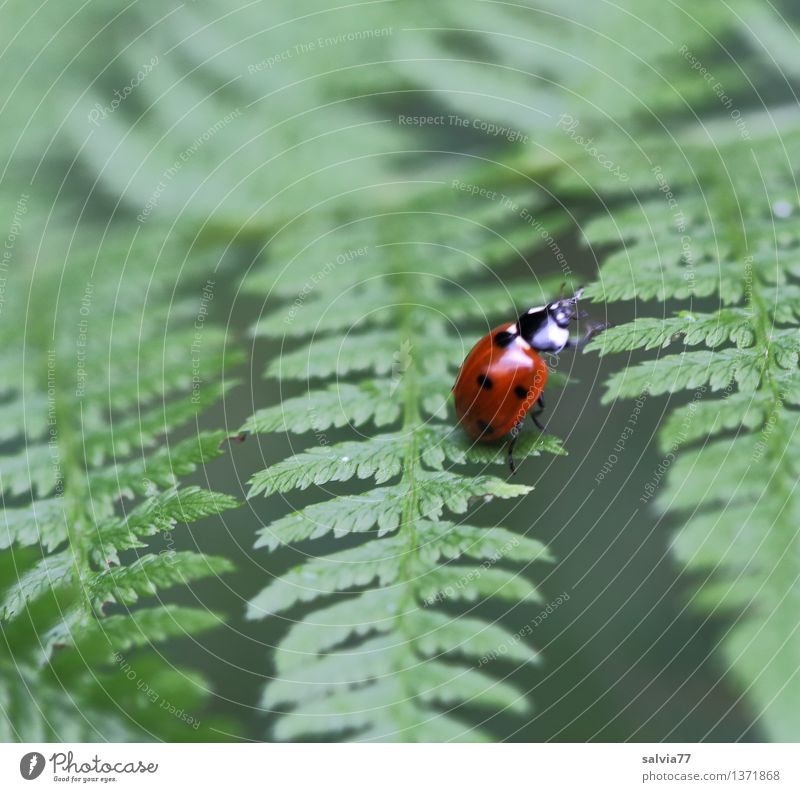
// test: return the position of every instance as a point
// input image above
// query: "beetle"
(502, 379)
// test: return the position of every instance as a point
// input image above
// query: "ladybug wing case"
(499, 382)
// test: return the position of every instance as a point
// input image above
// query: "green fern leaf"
(52, 572)
(150, 573)
(731, 487)
(64, 548)
(337, 406)
(368, 619)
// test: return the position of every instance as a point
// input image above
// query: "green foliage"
(382, 261)
(77, 551)
(95, 692)
(375, 645)
(238, 101)
(732, 489)
(525, 64)
(222, 117)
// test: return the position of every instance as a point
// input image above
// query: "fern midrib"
(73, 475)
(782, 482)
(762, 329)
(411, 424)
(76, 496)
(763, 337)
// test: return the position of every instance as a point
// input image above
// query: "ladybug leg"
(535, 415)
(595, 328)
(238, 438)
(514, 435)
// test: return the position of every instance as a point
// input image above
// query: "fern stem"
(73, 481)
(76, 495)
(761, 327)
(71, 478)
(783, 479)
(411, 423)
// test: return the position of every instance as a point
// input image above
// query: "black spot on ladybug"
(504, 338)
(485, 382)
(521, 391)
(486, 428)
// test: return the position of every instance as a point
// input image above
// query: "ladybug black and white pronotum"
(503, 377)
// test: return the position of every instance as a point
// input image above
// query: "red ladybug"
(504, 376)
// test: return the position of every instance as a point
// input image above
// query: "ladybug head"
(565, 310)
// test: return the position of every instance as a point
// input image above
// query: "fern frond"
(372, 621)
(732, 488)
(120, 699)
(527, 65)
(71, 544)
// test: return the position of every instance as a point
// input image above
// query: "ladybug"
(503, 377)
